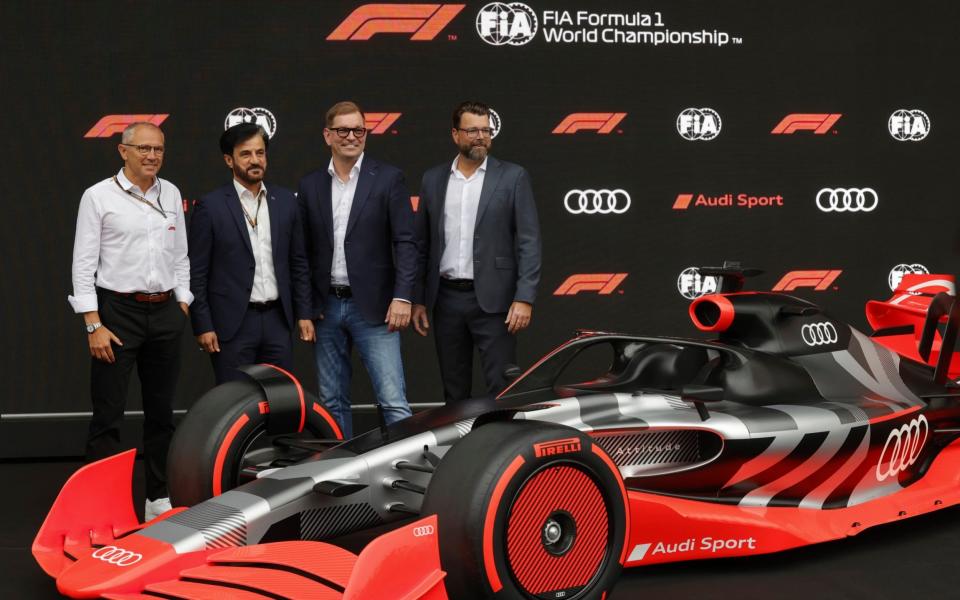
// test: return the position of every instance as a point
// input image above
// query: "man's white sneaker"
(155, 508)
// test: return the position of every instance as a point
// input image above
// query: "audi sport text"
(748, 201)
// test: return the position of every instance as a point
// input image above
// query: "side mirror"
(511, 373)
(701, 394)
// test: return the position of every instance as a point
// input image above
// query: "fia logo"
(701, 124)
(692, 285)
(502, 23)
(908, 125)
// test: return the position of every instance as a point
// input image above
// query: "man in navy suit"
(248, 270)
(362, 249)
(480, 256)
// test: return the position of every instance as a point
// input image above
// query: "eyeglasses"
(343, 132)
(473, 132)
(145, 149)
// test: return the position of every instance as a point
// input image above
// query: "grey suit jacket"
(506, 243)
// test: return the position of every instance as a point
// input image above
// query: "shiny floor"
(918, 558)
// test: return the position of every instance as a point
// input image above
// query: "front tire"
(224, 432)
(528, 510)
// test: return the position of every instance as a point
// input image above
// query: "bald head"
(131, 130)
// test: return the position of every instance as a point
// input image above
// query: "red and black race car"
(791, 428)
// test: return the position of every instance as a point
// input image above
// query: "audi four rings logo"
(698, 124)
(117, 556)
(819, 334)
(847, 199)
(423, 530)
(903, 447)
(597, 202)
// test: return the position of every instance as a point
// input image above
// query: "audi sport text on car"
(789, 428)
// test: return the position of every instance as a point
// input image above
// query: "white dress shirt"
(264, 278)
(459, 221)
(341, 193)
(123, 245)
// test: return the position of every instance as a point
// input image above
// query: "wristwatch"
(91, 327)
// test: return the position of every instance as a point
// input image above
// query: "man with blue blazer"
(248, 270)
(362, 249)
(480, 256)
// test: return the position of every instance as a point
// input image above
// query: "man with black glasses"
(362, 250)
(131, 283)
(480, 256)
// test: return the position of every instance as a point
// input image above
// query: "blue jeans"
(342, 326)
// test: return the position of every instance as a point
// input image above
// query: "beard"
(475, 152)
(247, 177)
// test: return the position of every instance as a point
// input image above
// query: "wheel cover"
(568, 492)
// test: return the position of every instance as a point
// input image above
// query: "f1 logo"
(602, 283)
(113, 124)
(818, 280)
(379, 123)
(424, 21)
(818, 123)
(602, 123)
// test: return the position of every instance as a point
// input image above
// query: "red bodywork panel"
(672, 529)
(908, 308)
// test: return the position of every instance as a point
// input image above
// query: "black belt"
(341, 291)
(262, 305)
(464, 285)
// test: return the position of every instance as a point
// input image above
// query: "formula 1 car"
(791, 428)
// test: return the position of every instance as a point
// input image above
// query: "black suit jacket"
(380, 243)
(222, 264)
(506, 243)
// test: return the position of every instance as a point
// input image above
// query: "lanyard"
(256, 215)
(144, 200)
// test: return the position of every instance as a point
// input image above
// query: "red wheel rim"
(557, 502)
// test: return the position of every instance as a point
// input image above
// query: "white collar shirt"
(341, 195)
(459, 220)
(264, 278)
(124, 245)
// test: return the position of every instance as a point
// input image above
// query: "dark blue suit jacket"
(380, 243)
(222, 264)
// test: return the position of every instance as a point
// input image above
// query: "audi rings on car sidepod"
(819, 334)
(847, 199)
(597, 202)
(117, 556)
(903, 447)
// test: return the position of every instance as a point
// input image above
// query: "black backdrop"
(68, 64)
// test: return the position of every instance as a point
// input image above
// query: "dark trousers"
(263, 337)
(459, 325)
(151, 339)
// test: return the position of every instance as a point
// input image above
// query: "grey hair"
(127, 136)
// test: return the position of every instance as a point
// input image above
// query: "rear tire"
(528, 510)
(225, 431)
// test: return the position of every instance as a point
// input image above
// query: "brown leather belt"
(151, 297)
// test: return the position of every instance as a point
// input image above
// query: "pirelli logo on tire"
(555, 447)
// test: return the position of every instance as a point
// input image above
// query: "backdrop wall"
(839, 119)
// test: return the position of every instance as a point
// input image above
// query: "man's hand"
(518, 317)
(208, 342)
(100, 347)
(420, 322)
(398, 315)
(185, 308)
(307, 332)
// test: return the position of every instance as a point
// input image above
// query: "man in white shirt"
(362, 249)
(131, 283)
(479, 257)
(248, 270)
